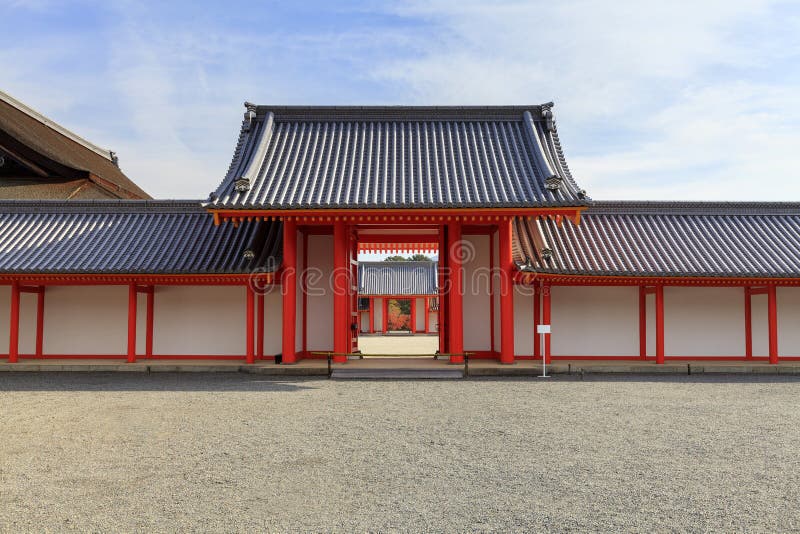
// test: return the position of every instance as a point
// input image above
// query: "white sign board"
(543, 329)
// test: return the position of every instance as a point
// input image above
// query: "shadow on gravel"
(100, 381)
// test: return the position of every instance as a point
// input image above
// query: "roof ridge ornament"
(242, 185)
(547, 116)
(553, 183)
(249, 115)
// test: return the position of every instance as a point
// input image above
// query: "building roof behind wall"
(63, 165)
(300, 157)
(395, 278)
(130, 237)
(666, 239)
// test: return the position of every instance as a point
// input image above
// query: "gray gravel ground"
(196, 452)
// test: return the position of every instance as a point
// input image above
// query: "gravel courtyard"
(231, 452)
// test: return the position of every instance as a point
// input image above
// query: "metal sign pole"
(543, 330)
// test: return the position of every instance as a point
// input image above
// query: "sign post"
(543, 330)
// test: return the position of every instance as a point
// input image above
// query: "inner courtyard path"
(421, 344)
(238, 452)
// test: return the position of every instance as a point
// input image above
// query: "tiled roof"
(397, 278)
(687, 239)
(130, 237)
(24, 129)
(397, 157)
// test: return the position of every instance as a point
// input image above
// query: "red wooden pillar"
(443, 289)
(491, 293)
(289, 289)
(372, 315)
(748, 323)
(13, 333)
(546, 320)
(133, 295)
(413, 315)
(455, 310)
(537, 293)
(659, 324)
(427, 315)
(772, 318)
(250, 331)
(340, 291)
(385, 319)
(148, 338)
(506, 294)
(260, 326)
(642, 322)
(40, 322)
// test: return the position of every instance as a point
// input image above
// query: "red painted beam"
(341, 269)
(748, 323)
(507, 270)
(289, 290)
(659, 324)
(13, 345)
(456, 297)
(40, 323)
(132, 296)
(772, 318)
(250, 330)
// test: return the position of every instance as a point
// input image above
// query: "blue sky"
(668, 100)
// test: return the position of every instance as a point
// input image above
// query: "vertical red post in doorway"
(506, 293)
(413, 326)
(289, 289)
(13, 337)
(772, 319)
(443, 289)
(546, 320)
(385, 316)
(748, 324)
(250, 331)
(40, 322)
(427, 315)
(341, 270)
(132, 297)
(456, 297)
(260, 326)
(659, 324)
(642, 323)
(148, 338)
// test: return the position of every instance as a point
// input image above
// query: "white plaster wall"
(703, 321)
(200, 320)
(364, 323)
(27, 322)
(433, 324)
(476, 307)
(759, 319)
(378, 313)
(788, 321)
(594, 321)
(141, 322)
(320, 292)
(420, 314)
(273, 321)
(523, 321)
(5, 318)
(650, 321)
(86, 320)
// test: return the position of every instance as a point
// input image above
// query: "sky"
(690, 100)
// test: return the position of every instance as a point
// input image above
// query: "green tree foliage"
(415, 257)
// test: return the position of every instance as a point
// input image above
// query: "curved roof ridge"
(706, 207)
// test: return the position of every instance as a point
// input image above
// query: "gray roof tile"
(398, 278)
(130, 237)
(687, 239)
(397, 157)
